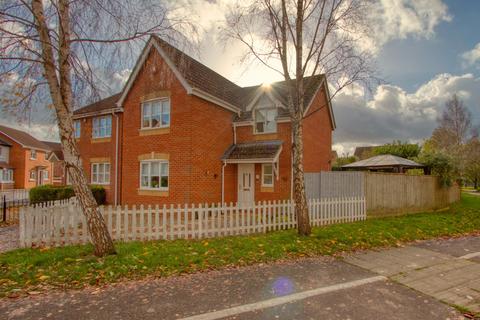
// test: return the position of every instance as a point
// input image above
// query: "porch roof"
(253, 152)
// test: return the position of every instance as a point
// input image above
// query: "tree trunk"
(299, 196)
(96, 226)
(61, 94)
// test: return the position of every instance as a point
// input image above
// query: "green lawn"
(74, 267)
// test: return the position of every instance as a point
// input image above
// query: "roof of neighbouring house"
(23, 138)
(55, 148)
(201, 77)
(382, 161)
(101, 105)
(253, 150)
(5, 143)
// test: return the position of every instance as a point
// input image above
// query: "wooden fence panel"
(393, 194)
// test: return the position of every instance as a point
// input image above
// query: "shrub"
(99, 194)
(51, 193)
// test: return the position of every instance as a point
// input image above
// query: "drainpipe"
(291, 167)
(234, 133)
(116, 158)
(223, 182)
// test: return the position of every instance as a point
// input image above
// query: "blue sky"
(411, 62)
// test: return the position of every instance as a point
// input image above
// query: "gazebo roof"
(384, 161)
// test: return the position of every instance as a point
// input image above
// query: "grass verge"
(27, 270)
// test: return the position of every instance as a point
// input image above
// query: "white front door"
(246, 183)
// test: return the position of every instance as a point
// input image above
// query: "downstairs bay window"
(154, 175)
(6, 175)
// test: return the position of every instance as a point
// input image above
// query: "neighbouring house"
(6, 169)
(181, 133)
(23, 160)
(364, 152)
(55, 156)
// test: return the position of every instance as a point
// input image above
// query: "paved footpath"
(448, 270)
(320, 288)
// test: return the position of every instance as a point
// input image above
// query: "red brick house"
(23, 160)
(182, 133)
(55, 156)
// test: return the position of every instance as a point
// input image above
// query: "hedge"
(51, 193)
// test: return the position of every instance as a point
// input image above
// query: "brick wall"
(281, 187)
(97, 150)
(198, 135)
(317, 136)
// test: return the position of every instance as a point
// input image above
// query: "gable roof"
(55, 148)
(106, 104)
(23, 138)
(205, 83)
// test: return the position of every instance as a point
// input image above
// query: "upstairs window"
(76, 129)
(156, 114)
(102, 127)
(154, 175)
(33, 154)
(265, 120)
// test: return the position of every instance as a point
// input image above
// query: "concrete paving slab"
(430, 268)
(456, 247)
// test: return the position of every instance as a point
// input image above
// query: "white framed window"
(267, 175)
(100, 173)
(33, 154)
(45, 175)
(156, 114)
(6, 175)
(265, 120)
(102, 127)
(76, 128)
(154, 174)
(33, 175)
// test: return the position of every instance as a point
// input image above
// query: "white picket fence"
(63, 223)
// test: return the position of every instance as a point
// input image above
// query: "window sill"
(266, 189)
(100, 140)
(153, 131)
(152, 192)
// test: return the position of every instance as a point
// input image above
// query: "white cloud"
(471, 57)
(399, 19)
(392, 113)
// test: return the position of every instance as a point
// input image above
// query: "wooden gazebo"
(385, 163)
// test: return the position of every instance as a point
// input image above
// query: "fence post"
(4, 208)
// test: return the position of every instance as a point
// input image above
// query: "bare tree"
(456, 119)
(297, 39)
(56, 49)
